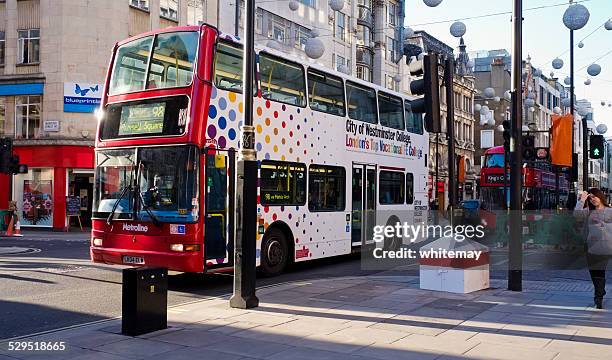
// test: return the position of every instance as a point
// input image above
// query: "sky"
(544, 38)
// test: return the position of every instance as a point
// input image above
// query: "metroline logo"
(137, 228)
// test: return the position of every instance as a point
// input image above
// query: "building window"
(302, 35)
(195, 12)
(2, 44)
(363, 73)
(392, 14)
(340, 26)
(28, 46)
(364, 35)
(341, 60)
(27, 116)
(390, 83)
(277, 29)
(311, 3)
(169, 9)
(326, 188)
(141, 4)
(282, 183)
(391, 185)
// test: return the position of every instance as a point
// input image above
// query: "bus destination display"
(142, 119)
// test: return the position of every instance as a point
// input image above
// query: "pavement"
(380, 316)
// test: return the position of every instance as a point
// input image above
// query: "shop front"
(55, 173)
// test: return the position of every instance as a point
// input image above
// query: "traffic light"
(596, 147)
(529, 151)
(9, 163)
(6, 151)
(428, 86)
(507, 134)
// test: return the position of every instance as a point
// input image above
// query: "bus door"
(363, 208)
(219, 205)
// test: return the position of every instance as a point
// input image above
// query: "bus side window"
(414, 122)
(361, 102)
(326, 188)
(409, 188)
(325, 93)
(391, 113)
(282, 80)
(228, 67)
(391, 187)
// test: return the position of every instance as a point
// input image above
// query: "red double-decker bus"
(539, 184)
(332, 151)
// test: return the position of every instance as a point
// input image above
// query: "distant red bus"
(539, 185)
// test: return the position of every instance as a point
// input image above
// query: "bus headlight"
(185, 247)
(97, 242)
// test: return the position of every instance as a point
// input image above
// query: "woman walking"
(597, 214)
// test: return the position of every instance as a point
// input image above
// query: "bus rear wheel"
(274, 252)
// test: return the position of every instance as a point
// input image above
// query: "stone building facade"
(54, 56)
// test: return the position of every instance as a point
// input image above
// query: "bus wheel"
(274, 252)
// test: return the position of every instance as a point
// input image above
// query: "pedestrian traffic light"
(596, 147)
(428, 86)
(528, 151)
(507, 134)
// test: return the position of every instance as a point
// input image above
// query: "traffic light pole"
(449, 70)
(246, 199)
(515, 246)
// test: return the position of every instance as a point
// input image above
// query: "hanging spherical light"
(432, 3)
(314, 48)
(293, 5)
(529, 102)
(610, 105)
(594, 69)
(582, 111)
(608, 25)
(497, 99)
(567, 81)
(581, 44)
(557, 110)
(566, 102)
(489, 92)
(478, 106)
(602, 129)
(587, 82)
(557, 64)
(537, 72)
(336, 5)
(344, 69)
(314, 33)
(408, 32)
(531, 108)
(275, 45)
(483, 121)
(508, 95)
(491, 121)
(397, 78)
(576, 17)
(457, 29)
(603, 103)
(484, 110)
(500, 128)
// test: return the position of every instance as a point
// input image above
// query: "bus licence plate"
(137, 260)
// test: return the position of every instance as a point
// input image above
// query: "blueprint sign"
(81, 97)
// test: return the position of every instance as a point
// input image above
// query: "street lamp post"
(246, 199)
(515, 246)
